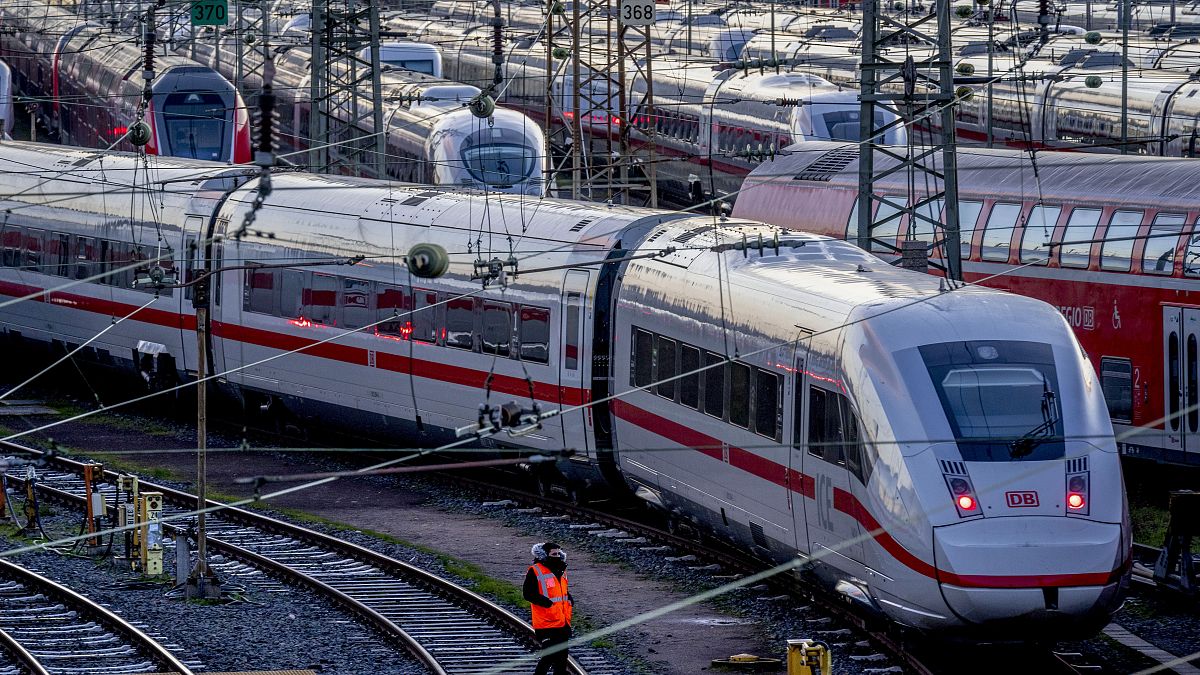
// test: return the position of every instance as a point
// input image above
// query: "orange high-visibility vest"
(558, 614)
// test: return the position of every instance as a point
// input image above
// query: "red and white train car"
(1111, 241)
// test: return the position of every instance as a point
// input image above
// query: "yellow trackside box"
(809, 657)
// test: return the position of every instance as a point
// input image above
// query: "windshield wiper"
(1024, 446)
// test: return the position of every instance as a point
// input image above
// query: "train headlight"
(1077, 493)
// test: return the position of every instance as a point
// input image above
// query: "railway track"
(444, 626)
(48, 629)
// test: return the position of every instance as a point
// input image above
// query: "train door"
(1189, 422)
(1173, 378)
(572, 363)
(798, 484)
(833, 532)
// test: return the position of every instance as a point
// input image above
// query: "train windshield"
(416, 65)
(840, 125)
(499, 164)
(1000, 397)
(195, 124)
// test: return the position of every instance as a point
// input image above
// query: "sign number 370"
(210, 12)
(637, 12)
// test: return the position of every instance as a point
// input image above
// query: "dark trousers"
(548, 637)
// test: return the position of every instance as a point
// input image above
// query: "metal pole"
(576, 121)
(1125, 6)
(991, 10)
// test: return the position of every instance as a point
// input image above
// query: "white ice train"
(7, 112)
(943, 456)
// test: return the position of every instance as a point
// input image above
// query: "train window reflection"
(739, 395)
(59, 256)
(714, 385)
(356, 305)
(32, 244)
(887, 231)
(12, 246)
(499, 164)
(389, 309)
(460, 323)
(195, 123)
(260, 291)
(1039, 227)
(1158, 257)
(766, 403)
(643, 358)
(535, 334)
(497, 328)
(664, 357)
(320, 299)
(922, 227)
(997, 236)
(1076, 244)
(825, 433)
(85, 252)
(424, 316)
(291, 289)
(689, 384)
(968, 213)
(1117, 250)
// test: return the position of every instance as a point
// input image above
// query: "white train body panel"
(829, 435)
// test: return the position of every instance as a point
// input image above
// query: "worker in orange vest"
(546, 591)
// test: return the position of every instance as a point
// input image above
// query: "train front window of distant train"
(839, 125)
(1001, 398)
(195, 125)
(499, 164)
(415, 65)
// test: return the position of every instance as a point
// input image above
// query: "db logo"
(1021, 498)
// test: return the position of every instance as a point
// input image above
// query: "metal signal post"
(919, 88)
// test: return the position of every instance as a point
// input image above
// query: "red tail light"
(1077, 493)
(966, 503)
(963, 494)
(1075, 501)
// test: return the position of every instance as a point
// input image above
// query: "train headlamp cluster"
(963, 494)
(1077, 493)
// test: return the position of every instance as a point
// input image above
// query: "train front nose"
(1021, 577)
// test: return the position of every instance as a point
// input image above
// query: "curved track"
(48, 629)
(448, 628)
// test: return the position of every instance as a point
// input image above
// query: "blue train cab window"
(714, 385)
(1158, 256)
(497, 328)
(739, 395)
(643, 357)
(460, 323)
(535, 334)
(668, 367)
(689, 383)
(1000, 398)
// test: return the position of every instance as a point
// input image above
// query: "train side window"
(389, 312)
(58, 249)
(460, 323)
(968, 214)
(1039, 228)
(259, 294)
(1116, 252)
(497, 328)
(85, 257)
(12, 246)
(1116, 380)
(714, 385)
(535, 334)
(424, 316)
(824, 425)
(643, 357)
(887, 232)
(291, 290)
(766, 404)
(571, 330)
(852, 222)
(115, 259)
(922, 227)
(1158, 256)
(356, 303)
(739, 395)
(665, 358)
(320, 299)
(997, 235)
(689, 384)
(1076, 245)
(859, 456)
(32, 245)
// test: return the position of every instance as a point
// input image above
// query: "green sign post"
(210, 12)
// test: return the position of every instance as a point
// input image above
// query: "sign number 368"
(637, 12)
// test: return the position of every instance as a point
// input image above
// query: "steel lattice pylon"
(345, 126)
(916, 88)
(589, 56)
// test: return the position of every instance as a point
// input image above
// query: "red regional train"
(1111, 241)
